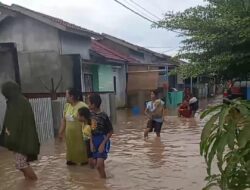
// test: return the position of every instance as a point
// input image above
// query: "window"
(88, 83)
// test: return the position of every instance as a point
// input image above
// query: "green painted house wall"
(102, 78)
(105, 76)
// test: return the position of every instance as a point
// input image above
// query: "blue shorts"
(97, 140)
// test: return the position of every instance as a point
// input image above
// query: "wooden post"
(56, 115)
(113, 114)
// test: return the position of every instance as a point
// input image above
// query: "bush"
(226, 136)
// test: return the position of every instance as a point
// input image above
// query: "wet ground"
(171, 162)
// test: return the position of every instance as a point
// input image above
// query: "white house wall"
(39, 37)
(11, 30)
(120, 74)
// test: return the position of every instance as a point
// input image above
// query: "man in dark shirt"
(101, 130)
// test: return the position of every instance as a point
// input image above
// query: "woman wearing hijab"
(19, 133)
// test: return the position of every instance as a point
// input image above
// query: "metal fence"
(57, 111)
(43, 117)
(105, 106)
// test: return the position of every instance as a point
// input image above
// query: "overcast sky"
(106, 16)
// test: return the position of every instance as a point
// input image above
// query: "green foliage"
(226, 138)
(217, 37)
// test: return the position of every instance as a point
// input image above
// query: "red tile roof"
(111, 54)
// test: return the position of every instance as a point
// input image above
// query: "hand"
(101, 148)
(7, 132)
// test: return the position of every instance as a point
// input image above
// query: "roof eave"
(82, 33)
(33, 15)
(116, 61)
(94, 53)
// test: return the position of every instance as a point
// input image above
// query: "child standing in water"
(84, 116)
(101, 132)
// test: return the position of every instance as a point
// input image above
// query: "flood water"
(171, 162)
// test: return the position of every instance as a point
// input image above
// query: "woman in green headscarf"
(19, 129)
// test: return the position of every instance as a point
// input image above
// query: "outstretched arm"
(62, 128)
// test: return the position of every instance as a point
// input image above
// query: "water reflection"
(156, 152)
(170, 162)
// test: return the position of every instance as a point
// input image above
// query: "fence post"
(56, 115)
(112, 104)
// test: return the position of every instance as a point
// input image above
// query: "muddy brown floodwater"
(169, 163)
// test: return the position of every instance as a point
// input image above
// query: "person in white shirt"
(193, 104)
(154, 111)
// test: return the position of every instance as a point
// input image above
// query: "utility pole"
(166, 79)
(191, 85)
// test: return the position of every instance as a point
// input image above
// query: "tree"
(216, 37)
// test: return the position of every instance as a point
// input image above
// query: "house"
(40, 51)
(106, 71)
(149, 70)
(46, 54)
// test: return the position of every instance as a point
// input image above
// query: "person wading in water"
(71, 129)
(155, 112)
(19, 133)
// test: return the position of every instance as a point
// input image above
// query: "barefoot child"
(84, 116)
(101, 130)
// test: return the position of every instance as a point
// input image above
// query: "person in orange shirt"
(184, 110)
